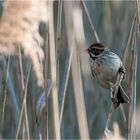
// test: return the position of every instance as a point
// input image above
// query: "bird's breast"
(105, 69)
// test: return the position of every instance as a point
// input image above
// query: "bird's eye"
(94, 50)
(91, 50)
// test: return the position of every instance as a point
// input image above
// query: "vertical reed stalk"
(76, 73)
(23, 107)
(53, 72)
(58, 37)
(118, 81)
(46, 110)
(23, 87)
(11, 92)
(79, 97)
(129, 40)
(5, 93)
(65, 81)
(124, 60)
(131, 124)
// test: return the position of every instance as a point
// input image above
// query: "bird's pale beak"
(85, 50)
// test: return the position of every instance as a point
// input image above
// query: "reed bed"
(46, 87)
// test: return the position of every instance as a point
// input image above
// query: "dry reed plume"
(19, 27)
(115, 135)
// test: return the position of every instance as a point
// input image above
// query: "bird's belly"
(105, 69)
(106, 76)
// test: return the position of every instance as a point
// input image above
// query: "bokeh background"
(112, 21)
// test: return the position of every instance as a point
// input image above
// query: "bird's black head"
(95, 49)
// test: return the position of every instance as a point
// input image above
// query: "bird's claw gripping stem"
(115, 102)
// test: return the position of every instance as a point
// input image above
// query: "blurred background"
(70, 104)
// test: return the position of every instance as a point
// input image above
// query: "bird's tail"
(121, 97)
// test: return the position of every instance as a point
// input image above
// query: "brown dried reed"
(19, 26)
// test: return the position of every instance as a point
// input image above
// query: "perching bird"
(105, 67)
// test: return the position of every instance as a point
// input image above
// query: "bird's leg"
(111, 90)
(114, 99)
(122, 71)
